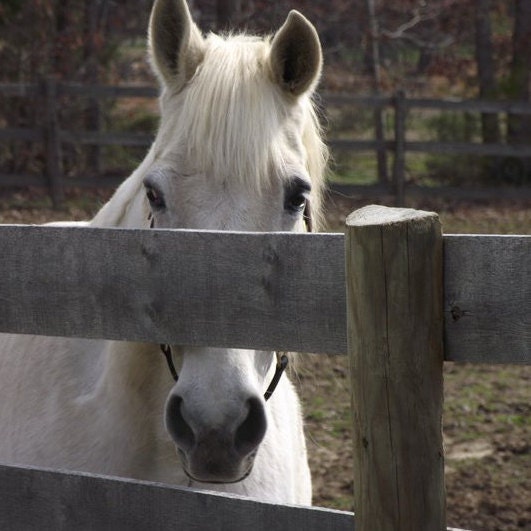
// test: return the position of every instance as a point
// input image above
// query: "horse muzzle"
(221, 454)
(208, 470)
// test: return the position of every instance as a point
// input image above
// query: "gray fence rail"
(265, 290)
(54, 135)
(75, 501)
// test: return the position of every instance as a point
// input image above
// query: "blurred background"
(399, 94)
(424, 103)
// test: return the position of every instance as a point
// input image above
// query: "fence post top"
(382, 215)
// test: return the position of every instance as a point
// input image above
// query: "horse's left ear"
(296, 58)
(176, 45)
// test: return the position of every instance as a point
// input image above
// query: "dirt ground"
(487, 408)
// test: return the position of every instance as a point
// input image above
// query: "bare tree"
(93, 118)
(486, 69)
(377, 84)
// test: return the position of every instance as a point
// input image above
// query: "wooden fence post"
(399, 166)
(395, 331)
(53, 143)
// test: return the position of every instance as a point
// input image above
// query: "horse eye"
(155, 198)
(296, 202)
(296, 195)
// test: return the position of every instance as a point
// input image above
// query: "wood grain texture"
(487, 299)
(259, 290)
(36, 499)
(282, 291)
(395, 333)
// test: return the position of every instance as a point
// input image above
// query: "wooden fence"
(54, 135)
(405, 298)
(400, 145)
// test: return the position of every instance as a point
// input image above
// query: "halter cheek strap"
(282, 363)
(166, 350)
(307, 214)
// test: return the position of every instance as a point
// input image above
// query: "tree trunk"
(59, 64)
(519, 127)
(377, 82)
(424, 61)
(485, 65)
(93, 118)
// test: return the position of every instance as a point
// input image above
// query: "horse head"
(239, 149)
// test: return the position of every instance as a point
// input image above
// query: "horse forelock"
(232, 113)
(234, 122)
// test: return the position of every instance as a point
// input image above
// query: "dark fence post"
(400, 145)
(53, 143)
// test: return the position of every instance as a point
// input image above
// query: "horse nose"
(179, 429)
(251, 431)
(242, 431)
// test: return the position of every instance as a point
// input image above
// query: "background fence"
(513, 161)
(475, 302)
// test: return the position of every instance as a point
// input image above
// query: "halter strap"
(282, 363)
(166, 350)
(307, 215)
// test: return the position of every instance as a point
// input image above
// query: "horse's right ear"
(176, 46)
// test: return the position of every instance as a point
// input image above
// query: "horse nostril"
(251, 431)
(178, 428)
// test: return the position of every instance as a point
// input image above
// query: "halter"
(282, 359)
(282, 363)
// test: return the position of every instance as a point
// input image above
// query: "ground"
(487, 408)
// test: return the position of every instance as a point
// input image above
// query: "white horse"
(238, 148)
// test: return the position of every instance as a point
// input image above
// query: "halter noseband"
(282, 359)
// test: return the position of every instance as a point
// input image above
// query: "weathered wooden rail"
(290, 295)
(53, 136)
(404, 298)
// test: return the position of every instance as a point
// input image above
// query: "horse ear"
(296, 57)
(175, 43)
